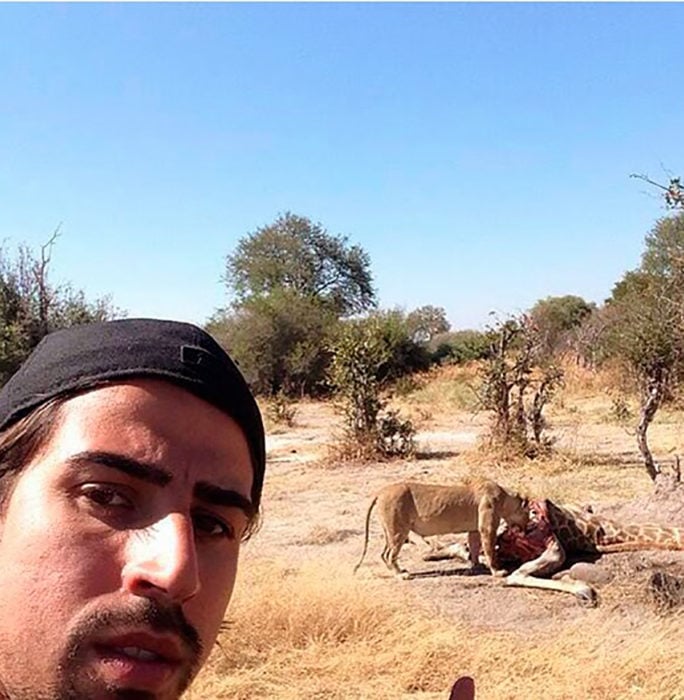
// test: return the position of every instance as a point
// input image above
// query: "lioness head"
(517, 511)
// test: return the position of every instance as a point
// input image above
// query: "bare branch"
(645, 178)
(674, 194)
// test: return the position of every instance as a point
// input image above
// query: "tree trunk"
(655, 389)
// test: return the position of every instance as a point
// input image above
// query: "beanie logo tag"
(196, 357)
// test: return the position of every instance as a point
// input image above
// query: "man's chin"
(139, 649)
(108, 674)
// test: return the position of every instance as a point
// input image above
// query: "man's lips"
(145, 647)
(142, 660)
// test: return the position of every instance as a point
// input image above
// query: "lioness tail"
(365, 542)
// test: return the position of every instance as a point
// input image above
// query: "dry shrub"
(391, 438)
(346, 448)
(316, 633)
(280, 410)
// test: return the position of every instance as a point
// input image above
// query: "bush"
(396, 437)
(458, 347)
(517, 384)
(280, 343)
(359, 352)
(281, 410)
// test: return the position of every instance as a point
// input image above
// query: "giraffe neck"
(617, 537)
(581, 530)
(577, 529)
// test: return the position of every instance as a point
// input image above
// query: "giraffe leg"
(456, 550)
(551, 560)
(582, 591)
(546, 564)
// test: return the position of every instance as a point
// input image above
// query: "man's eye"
(105, 496)
(210, 526)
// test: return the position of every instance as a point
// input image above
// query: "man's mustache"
(142, 612)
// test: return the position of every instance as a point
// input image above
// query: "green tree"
(459, 347)
(555, 318)
(31, 306)
(647, 324)
(280, 342)
(291, 282)
(404, 354)
(425, 322)
(297, 255)
(360, 351)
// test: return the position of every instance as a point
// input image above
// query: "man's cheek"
(208, 609)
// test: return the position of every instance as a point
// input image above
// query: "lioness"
(473, 506)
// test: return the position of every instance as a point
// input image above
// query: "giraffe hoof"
(587, 597)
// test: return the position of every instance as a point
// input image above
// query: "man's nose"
(161, 560)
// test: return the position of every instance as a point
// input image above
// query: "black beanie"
(84, 356)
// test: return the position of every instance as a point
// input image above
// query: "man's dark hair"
(22, 441)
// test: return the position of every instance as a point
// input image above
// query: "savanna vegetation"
(304, 322)
(572, 400)
(302, 626)
(31, 305)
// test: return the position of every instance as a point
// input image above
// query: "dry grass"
(315, 633)
(443, 390)
(581, 381)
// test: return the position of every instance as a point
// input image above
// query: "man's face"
(119, 546)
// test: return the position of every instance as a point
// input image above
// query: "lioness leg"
(394, 541)
(474, 548)
(487, 530)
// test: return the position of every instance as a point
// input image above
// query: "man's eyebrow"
(140, 470)
(203, 491)
(217, 496)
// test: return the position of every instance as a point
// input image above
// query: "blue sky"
(480, 153)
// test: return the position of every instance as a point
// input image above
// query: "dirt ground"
(315, 510)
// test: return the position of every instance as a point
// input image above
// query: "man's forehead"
(154, 422)
(125, 398)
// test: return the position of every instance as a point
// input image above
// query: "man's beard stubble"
(141, 613)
